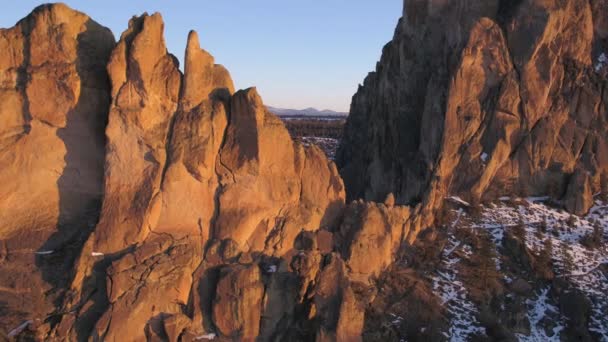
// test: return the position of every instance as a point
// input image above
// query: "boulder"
(370, 237)
(338, 313)
(238, 302)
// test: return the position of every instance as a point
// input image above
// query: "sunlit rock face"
(128, 185)
(190, 166)
(482, 99)
(140, 202)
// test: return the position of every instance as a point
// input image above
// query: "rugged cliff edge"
(484, 99)
(143, 203)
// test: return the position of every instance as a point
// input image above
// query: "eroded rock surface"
(204, 192)
(54, 100)
(147, 204)
(370, 236)
(190, 167)
(271, 191)
(482, 100)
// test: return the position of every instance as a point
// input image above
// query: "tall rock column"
(480, 100)
(54, 99)
(127, 269)
(190, 182)
(145, 92)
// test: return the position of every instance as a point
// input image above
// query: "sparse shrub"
(467, 236)
(543, 224)
(538, 233)
(475, 210)
(567, 259)
(546, 253)
(598, 232)
(544, 261)
(571, 221)
(482, 276)
(512, 202)
(486, 270)
(444, 216)
(519, 230)
(595, 238)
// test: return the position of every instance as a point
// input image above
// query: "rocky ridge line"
(206, 218)
(178, 209)
(483, 100)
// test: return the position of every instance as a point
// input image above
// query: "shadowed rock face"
(482, 99)
(54, 103)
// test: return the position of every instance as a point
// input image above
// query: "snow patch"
(602, 61)
(210, 336)
(538, 309)
(396, 320)
(571, 259)
(45, 252)
(460, 211)
(484, 157)
(459, 200)
(538, 199)
(453, 294)
(97, 254)
(18, 330)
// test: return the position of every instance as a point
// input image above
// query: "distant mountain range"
(304, 112)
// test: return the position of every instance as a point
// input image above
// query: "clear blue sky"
(310, 53)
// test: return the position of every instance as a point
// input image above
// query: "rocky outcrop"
(270, 192)
(206, 199)
(54, 100)
(237, 303)
(149, 204)
(370, 236)
(338, 312)
(145, 89)
(481, 100)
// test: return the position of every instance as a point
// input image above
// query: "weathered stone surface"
(238, 302)
(338, 314)
(370, 236)
(145, 88)
(54, 99)
(214, 223)
(160, 185)
(153, 281)
(196, 180)
(480, 100)
(190, 181)
(268, 191)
